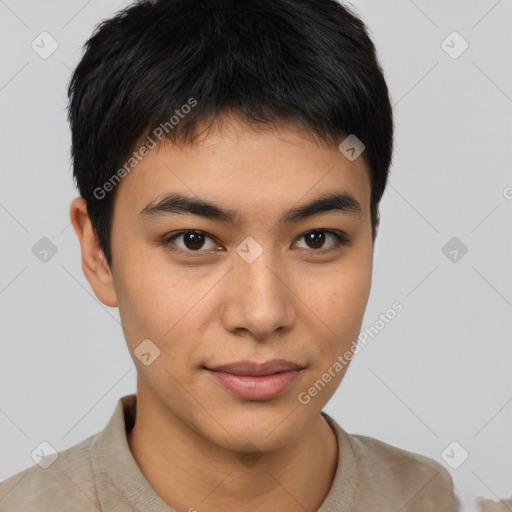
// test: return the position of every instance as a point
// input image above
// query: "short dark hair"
(306, 61)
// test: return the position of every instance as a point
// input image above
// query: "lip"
(258, 382)
(251, 368)
(258, 388)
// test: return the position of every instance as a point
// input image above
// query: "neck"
(190, 472)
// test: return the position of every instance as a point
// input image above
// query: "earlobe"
(94, 263)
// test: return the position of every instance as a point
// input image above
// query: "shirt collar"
(119, 480)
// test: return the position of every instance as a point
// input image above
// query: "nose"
(258, 298)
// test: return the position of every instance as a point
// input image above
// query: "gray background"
(439, 372)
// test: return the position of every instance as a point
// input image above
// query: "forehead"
(249, 167)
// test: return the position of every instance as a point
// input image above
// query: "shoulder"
(69, 479)
(413, 481)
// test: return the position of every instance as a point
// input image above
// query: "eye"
(192, 241)
(316, 240)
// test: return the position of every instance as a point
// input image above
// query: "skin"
(296, 301)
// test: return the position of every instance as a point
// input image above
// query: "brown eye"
(316, 239)
(192, 241)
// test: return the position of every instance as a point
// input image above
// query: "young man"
(230, 157)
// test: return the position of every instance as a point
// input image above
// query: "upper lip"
(253, 368)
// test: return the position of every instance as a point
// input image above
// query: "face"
(256, 277)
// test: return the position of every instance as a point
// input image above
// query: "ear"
(94, 263)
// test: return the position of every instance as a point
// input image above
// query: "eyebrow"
(174, 203)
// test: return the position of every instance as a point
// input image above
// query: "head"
(216, 208)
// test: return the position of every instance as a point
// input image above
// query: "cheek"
(149, 304)
(339, 302)
(349, 294)
(163, 305)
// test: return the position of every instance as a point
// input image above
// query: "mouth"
(258, 382)
(251, 368)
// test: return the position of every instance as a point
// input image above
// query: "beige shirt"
(100, 473)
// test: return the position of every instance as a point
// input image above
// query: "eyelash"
(340, 240)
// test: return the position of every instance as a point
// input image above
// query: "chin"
(264, 428)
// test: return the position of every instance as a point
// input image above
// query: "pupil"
(191, 243)
(314, 237)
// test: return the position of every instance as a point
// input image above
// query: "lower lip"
(256, 388)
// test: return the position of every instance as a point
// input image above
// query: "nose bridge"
(260, 301)
(261, 277)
